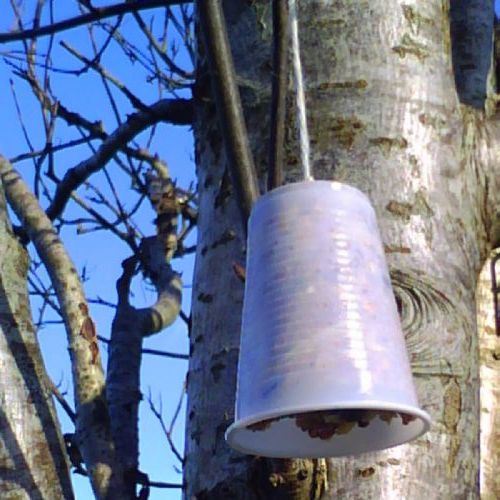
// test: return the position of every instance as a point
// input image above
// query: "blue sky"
(101, 255)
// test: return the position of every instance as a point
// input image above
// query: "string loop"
(299, 92)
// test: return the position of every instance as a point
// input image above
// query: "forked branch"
(177, 111)
(92, 415)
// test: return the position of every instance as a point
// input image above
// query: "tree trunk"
(384, 116)
(489, 353)
(32, 455)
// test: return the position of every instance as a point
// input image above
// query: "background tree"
(399, 105)
(396, 93)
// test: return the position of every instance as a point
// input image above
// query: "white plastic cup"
(320, 330)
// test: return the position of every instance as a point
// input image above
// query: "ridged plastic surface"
(320, 326)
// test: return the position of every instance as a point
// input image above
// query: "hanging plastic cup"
(323, 368)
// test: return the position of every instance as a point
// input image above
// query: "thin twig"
(161, 53)
(98, 14)
(168, 431)
(154, 352)
(60, 399)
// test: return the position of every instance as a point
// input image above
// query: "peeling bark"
(384, 116)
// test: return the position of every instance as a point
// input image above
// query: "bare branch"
(54, 149)
(104, 223)
(168, 284)
(60, 399)
(162, 485)
(160, 51)
(97, 14)
(105, 75)
(178, 111)
(131, 325)
(168, 431)
(154, 352)
(165, 354)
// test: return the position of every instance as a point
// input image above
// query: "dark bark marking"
(8, 319)
(208, 181)
(435, 121)
(100, 412)
(346, 130)
(206, 298)
(388, 144)
(409, 46)
(196, 436)
(88, 332)
(415, 20)
(400, 209)
(355, 84)
(224, 190)
(219, 435)
(396, 249)
(239, 272)
(227, 236)
(405, 210)
(216, 370)
(290, 479)
(219, 364)
(393, 461)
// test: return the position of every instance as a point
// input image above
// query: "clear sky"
(98, 253)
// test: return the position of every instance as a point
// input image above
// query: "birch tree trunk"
(32, 455)
(385, 116)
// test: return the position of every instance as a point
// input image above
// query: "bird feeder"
(323, 368)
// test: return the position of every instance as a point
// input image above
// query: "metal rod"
(279, 91)
(228, 103)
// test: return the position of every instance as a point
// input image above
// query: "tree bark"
(489, 353)
(384, 116)
(33, 461)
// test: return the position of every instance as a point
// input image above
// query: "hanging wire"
(299, 92)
